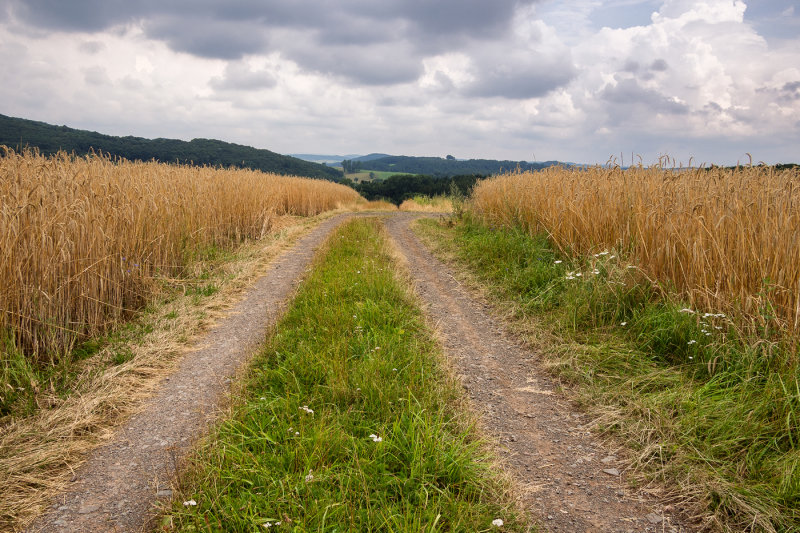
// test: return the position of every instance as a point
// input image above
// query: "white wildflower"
(595, 272)
(558, 262)
(497, 522)
(309, 477)
(623, 324)
(307, 410)
(375, 438)
(267, 525)
(577, 275)
(692, 342)
(296, 433)
(189, 503)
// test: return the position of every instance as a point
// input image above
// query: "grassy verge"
(347, 420)
(713, 415)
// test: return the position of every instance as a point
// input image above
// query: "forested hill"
(438, 166)
(17, 132)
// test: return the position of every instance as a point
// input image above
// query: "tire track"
(568, 480)
(117, 489)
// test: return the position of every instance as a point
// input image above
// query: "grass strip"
(347, 421)
(713, 414)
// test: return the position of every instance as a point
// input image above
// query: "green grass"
(713, 414)
(23, 378)
(372, 175)
(386, 448)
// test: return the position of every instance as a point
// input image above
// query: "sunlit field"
(82, 238)
(727, 239)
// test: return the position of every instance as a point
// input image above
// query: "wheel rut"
(120, 485)
(567, 479)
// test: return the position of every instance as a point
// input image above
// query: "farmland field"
(82, 238)
(725, 238)
(370, 175)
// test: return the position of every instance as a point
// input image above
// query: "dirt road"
(118, 486)
(568, 480)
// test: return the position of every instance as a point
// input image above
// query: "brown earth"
(566, 477)
(118, 487)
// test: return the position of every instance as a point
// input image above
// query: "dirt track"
(568, 480)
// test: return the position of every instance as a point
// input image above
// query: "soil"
(122, 482)
(568, 479)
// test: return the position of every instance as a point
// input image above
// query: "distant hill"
(18, 133)
(325, 158)
(438, 166)
(371, 157)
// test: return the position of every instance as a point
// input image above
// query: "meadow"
(82, 239)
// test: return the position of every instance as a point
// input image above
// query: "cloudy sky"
(581, 80)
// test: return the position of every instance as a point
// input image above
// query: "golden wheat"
(728, 239)
(437, 204)
(82, 238)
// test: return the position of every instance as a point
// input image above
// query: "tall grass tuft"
(82, 238)
(727, 239)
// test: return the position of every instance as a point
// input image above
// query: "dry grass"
(39, 453)
(726, 238)
(374, 205)
(82, 238)
(437, 204)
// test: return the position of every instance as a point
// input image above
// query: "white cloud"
(546, 79)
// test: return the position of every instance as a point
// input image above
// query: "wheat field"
(727, 239)
(83, 238)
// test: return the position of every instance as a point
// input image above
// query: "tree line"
(401, 187)
(17, 133)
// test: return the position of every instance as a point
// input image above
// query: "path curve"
(568, 480)
(116, 489)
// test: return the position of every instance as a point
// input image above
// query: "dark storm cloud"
(221, 39)
(628, 92)
(365, 41)
(521, 83)
(76, 15)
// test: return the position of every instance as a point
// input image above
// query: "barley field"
(727, 239)
(83, 238)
